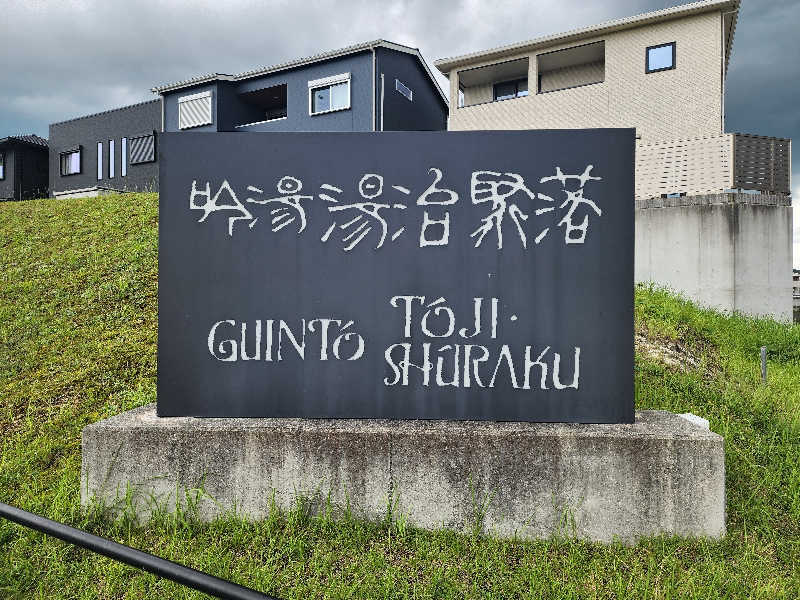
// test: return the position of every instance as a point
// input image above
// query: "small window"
(399, 86)
(511, 89)
(143, 149)
(194, 110)
(99, 161)
(70, 162)
(110, 159)
(329, 94)
(124, 157)
(2, 165)
(660, 58)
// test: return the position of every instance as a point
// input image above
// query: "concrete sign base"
(662, 474)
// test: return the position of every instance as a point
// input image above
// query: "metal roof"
(445, 65)
(293, 64)
(168, 87)
(31, 139)
(104, 112)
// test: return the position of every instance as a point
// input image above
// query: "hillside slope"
(78, 307)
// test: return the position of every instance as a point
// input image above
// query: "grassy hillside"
(78, 283)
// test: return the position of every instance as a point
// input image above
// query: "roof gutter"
(374, 96)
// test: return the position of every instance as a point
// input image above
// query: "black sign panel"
(408, 275)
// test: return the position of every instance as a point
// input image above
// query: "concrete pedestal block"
(662, 474)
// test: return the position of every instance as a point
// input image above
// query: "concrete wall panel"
(728, 251)
(763, 257)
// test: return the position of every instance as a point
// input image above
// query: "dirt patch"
(700, 355)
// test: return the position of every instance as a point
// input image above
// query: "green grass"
(78, 285)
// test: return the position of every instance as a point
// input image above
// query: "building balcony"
(715, 164)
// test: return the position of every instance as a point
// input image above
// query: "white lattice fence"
(695, 166)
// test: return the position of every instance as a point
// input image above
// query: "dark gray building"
(113, 150)
(23, 167)
(374, 86)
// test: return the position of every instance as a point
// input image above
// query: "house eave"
(199, 80)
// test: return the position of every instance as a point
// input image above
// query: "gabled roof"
(301, 62)
(31, 140)
(445, 65)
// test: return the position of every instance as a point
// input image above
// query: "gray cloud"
(68, 58)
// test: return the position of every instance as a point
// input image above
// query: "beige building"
(598, 76)
(662, 72)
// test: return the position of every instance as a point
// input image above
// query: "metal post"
(763, 364)
(197, 580)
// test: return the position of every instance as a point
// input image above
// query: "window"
(479, 85)
(110, 159)
(124, 157)
(194, 110)
(329, 94)
(70, 162)
(99, 161)
(2, 165)
(511, 89)
(143, 149)
(660, 58)
(399, 86)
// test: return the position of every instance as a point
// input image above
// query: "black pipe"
(197, 580)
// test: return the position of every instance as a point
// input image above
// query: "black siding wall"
(128, 122)
(25, 172)
(32, 171)
(7, 191)
(427, 111)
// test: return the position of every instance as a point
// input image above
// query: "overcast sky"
(67, 58)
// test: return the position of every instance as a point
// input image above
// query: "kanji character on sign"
(218, 203)
(289, 208)
(436, 196)
(367, 214)
(575, 198)
(498, 188)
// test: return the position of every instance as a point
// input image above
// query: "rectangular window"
(143, 149)
(399, 86)
(2, 165)
(194, 110)
(124, 157)
(329, 94)
(99, 161)
(511, 89)
(70, 162)
(110, 159)
(660, 58)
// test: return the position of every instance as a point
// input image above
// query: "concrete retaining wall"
(729, 251)
(662, 474)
